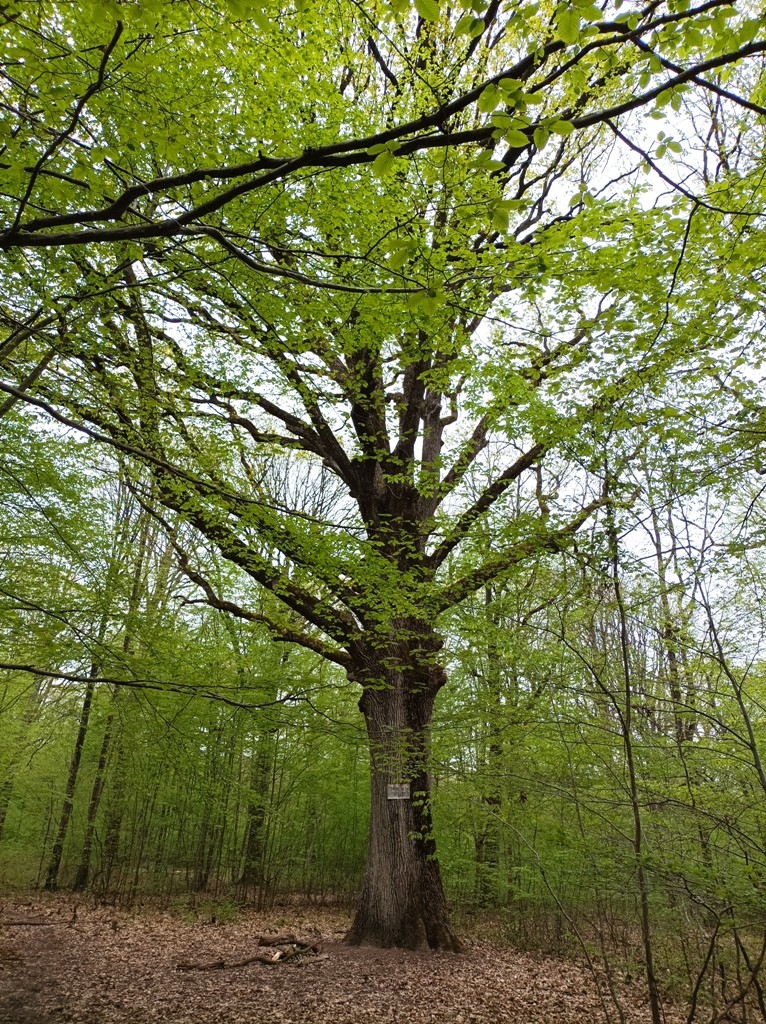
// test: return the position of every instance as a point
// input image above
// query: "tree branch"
(278, 631)
(494, 566)
(188, 689)
(422, 133)
(73, 122)
(485, 501)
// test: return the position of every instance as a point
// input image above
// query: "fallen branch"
(24, 924)
(278, 955)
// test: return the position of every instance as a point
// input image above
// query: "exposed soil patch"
(63, 961)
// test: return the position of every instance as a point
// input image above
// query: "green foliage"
(395, 321)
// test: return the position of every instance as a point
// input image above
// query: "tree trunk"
(402, 901)
(30, 715)
(83, 869)
(51, 879)
(487, 839)
(258, 802)
(114, 818)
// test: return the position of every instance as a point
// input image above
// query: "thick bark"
(402, 901)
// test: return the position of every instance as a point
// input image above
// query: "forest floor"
(64, 960)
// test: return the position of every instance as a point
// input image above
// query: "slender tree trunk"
(83, 869)
(6, 789)
(51, 879)
(259, 798)
(141, 834)
(225, 788)
(210, 822)
(114, 817)
(115, 568)
(627, 725)
(137, 587)
(402, 901)
(31, 712)
(487, 839)
(671, 635)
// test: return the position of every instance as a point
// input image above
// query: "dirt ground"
(64, 960)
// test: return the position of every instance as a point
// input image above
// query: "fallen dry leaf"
(117, 967)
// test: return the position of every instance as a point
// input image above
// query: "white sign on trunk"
(398, 791)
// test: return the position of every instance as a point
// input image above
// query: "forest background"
(408, 354)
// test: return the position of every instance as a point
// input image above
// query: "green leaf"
(500, 220)
(427, 302)
(428, 9)
(562, 127)
(749, 30)
(486, 162)
(383, 163)
(401, 252)
(381, 147)
(260, 18)
(463, 27)
(516, 139)
(588, 11)
(541, 136)
(489, 99)
(510, 86)
(568, 23)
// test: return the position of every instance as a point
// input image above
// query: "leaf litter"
(66, 961)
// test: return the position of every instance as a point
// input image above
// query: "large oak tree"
(314, 264)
